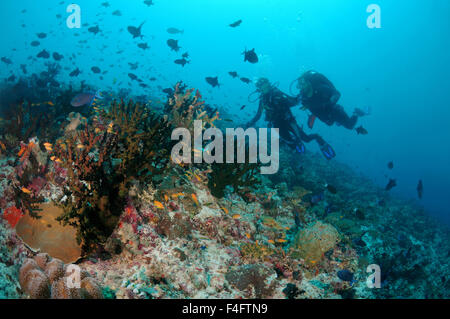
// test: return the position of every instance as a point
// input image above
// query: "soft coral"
(12, 215)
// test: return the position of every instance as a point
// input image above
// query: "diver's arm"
(257, 116)
(293, 100)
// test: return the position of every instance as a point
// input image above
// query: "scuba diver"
(320, 97)
(277, 106)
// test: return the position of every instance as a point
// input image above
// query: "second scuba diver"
(278, 113)
(320, 97)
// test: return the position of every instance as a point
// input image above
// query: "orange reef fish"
(158, 204)
(26, 190)
(48, 147)
(236, 216)
(194, 198)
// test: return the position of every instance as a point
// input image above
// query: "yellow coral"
(255, 251)
(312, 242)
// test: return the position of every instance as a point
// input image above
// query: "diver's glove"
(327, 151)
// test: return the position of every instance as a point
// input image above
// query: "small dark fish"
(143, 85)
(345, 275)
(242, 107)
(250, 56)
(361, 130)
(233, 74)
(132, 76)
(245, 80)
(12, 78)
(96, 69)
(94, 30)
(6, 60)
(149, 3)
(153, 79)
(83, 99)
(43, 54)
(297, 220)
(35, 43)
(173, 44)
(133, 66)
(105, 4)
(136, 31)
(392, 183)
(420, 189)
(359, 214)
(213, 81)
(185, 55)
(329, 209)
(75, 72)
(57, 56)
(331, 188)
(317, 198)
(359, 242)
(174, 31)
(168, 91)
(181, 62)
(117, 13)
(24, 68)
(143, 46)
(390, 165)
(236, 24)
(41, 35)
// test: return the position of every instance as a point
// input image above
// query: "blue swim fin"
(327, 151)
(300, 148)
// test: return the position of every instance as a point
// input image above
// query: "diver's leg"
(289, 133)
(325, 148)
(340, 116)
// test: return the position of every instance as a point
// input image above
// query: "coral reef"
(150, 228)
(103, 164)
(43, 277)
(311, 243)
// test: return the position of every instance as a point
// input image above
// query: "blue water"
(400, 71)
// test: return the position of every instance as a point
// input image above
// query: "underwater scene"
(211, 149)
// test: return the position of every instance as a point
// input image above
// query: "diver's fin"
(300, 148)
(327, 151)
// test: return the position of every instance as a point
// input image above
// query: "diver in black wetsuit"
(319, 96)
(277, 106)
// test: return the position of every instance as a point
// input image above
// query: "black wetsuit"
(278, 113)
(323, 101)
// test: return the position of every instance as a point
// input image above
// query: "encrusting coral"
(43, 277)
(314, 241)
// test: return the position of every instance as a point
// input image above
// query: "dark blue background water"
(401, 70)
